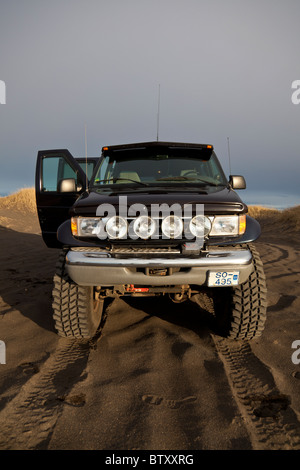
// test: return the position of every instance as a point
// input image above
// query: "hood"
(224, 201)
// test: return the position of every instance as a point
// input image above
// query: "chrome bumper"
(101, 268)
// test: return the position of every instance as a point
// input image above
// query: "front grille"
(88, 248)
(130, 250)
(144, 250)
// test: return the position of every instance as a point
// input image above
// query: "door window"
(88, 168)
(54, 169)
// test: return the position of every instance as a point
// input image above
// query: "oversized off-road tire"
(76, 311)
(241, 311)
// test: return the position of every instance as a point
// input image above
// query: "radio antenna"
(86, 165)
(158, 106)
(229, 155)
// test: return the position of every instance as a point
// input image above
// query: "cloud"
(225, 69)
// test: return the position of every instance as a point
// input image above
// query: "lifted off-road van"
(144, 219)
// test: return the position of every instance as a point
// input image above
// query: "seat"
(129, 176)
(189, 173)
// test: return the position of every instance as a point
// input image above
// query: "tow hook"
(131, 288)
(182, 296)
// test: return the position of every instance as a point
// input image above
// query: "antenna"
(86, 165)
(229, 155)
(158, 112)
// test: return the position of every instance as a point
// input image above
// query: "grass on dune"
(23, 200)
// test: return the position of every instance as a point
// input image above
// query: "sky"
(222, 68)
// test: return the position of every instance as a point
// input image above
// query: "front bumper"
(101, 268)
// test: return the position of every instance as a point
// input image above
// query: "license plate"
(223, 278)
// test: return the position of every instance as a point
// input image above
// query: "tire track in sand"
(28, 420)
(271, 422)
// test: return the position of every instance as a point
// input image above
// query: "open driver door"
(59, 181)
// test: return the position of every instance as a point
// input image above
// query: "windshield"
(159, 167)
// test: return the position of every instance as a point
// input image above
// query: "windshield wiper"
(173, 178)
(186, 178)
(113, 180)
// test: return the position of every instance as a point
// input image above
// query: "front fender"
(253, 230)
(65, 236)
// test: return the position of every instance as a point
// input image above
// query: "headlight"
(144, 227)
(228, 225)
(85, 226)
(200, 226)
(172, 226)
(116, 227)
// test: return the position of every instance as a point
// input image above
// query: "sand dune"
(156, 376)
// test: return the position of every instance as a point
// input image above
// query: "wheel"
(76, 310)
(241, 311)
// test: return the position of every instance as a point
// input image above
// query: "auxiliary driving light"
(116, 227)
(172, 226)
(144, 227)
(200, 226)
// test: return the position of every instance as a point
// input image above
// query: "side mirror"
(67, 185)
(237, 182)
